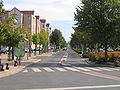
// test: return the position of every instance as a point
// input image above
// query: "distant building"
(48, 29)
(43, 22)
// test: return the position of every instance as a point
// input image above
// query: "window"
(29, 26)
(28, 18)
(3, 17)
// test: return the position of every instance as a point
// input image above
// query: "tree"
(35, 40)
(2, 33)
(100, 18)
(13, 36)
(43, 38)
(1, 25)
(1, 8)
(63, 43)
(56, 38)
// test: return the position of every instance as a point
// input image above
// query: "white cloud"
(49, 9)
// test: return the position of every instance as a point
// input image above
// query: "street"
(64, 70)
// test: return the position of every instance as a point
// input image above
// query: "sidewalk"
(24, 63)
(95, 64)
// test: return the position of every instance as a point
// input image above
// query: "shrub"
(101, 60)
(99, 57)
(85, 55)
(92, 58)
(77, 50)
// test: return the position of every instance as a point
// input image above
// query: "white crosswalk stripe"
(72, 69)
(114, 69)
(93, 69)
(104, 69)
(83, 69)
(48, 69)
(60, 69)
(25, 70)
(64, 69)
(36, 69)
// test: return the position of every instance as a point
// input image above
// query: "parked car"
(37, 49)
(3, 50)
(65, 48)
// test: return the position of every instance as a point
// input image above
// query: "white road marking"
(72, 69)
(36, 70)
(104, 69)
(79, 88)
(48, 69)
(93, 69)
(25, 70)
(82, 69)
(114, 69)
(60, 69)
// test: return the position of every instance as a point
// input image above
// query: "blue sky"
(59, 13)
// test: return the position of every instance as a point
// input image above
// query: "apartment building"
(48, 29)
(26, 18)
(43, 22)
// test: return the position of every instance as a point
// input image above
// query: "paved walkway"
(24, 63)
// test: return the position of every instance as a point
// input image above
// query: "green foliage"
(63, 43)
(35, 39)
(100, 19)
(11, 36)
(2, 35)
(85, 55)
(80, 37)
(77, 50)
(43, 37)
(1, 8)
(57, 39)
(92, 58)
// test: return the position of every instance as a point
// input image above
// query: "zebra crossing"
(65, 69)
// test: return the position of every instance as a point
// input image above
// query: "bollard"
(15, 63)
(7, 68)
(0, 61)
(2, 67)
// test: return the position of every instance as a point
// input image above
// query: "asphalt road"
(64, 70)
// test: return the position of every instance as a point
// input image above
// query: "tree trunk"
(29, 50)
(39, 50)
(9, 52)
(106, 54)
(0, 49)
(35, 49)
(12, 53)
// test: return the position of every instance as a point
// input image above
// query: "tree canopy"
(100, 19)
(57, 38)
